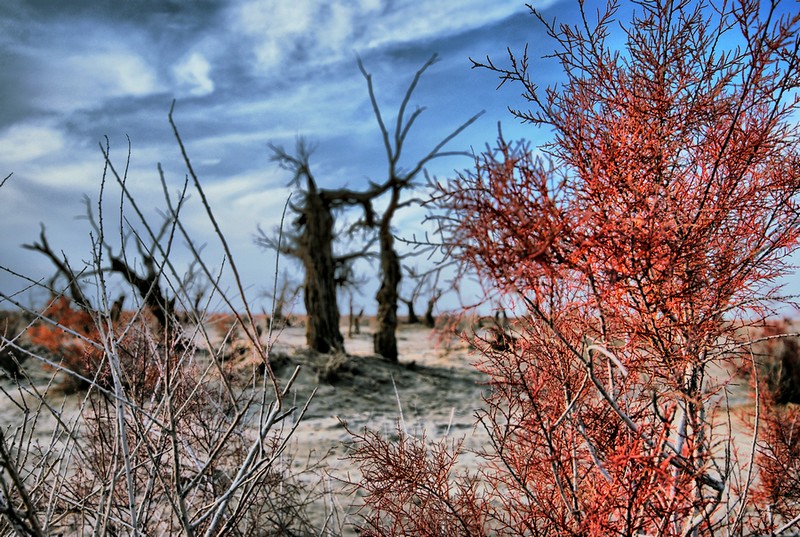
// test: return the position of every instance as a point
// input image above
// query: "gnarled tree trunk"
(430, 320)
(413, 318)
(322, 324)
(385, 339)
(313, 241)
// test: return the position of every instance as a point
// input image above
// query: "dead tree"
(63, 269)
(116, 309)
(147, 284)
(354, 320)
(413, 318)
(311, 241)
(430, 320)
(149, 288)
(399, 180)
(286, 290)
(313, 237)
(353, 284)
(419, 279)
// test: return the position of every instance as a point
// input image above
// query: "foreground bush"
(649, 231)
(162, 440)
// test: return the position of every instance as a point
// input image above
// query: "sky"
(244, 74)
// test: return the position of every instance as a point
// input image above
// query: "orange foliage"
(778, 495)
(76, 341)
(75, 353)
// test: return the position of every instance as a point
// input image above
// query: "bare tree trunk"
(350, 320)
(354, 320)
(357, 322)
(322, 326)
(430, 320)
(385, 342)
(413, 318)
(147, 286)
(149, 289)
(315, 224)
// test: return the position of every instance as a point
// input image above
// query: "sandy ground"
(433, 389)
(429, 388)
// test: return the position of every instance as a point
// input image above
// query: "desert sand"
(433, 390)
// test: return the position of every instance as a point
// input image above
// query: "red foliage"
(777, 498)
(665, 209)
(73, 346)
(413, 489)
(73, 337)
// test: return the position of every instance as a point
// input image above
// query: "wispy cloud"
(72, 63)
(29, 141)
(281, 33)
(285, 35)
(245, 73)
(412, 21)
(193, 75)
(90, 75)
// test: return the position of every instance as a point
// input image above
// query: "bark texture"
(322, 324)
(385, 341)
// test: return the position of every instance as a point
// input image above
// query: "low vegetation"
(637, 244)
(638, 388)
(168, 432)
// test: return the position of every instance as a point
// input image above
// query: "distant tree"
(354, 320)
(435, 295)
(79, 321)
(399, 180)
(285, 292)
(412, 318)
(413, 295)
(146, 283)
(353, 286)
(312, 239)
(424, 283)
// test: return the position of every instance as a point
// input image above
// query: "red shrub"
(75, 354)
(666, 208)
(777, 494)
(76, 342)
(413, 489)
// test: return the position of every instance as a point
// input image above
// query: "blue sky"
(245, 73)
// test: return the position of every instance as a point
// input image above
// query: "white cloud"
(117, 73)
(236, 187)
(412, 21)
(329, 32)
(192, 75)
(78, 176)
(239, 203)
(86, 80)
(79, 64)
(275, 27)
(323, 32)
(315, 111)
(29, 141)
